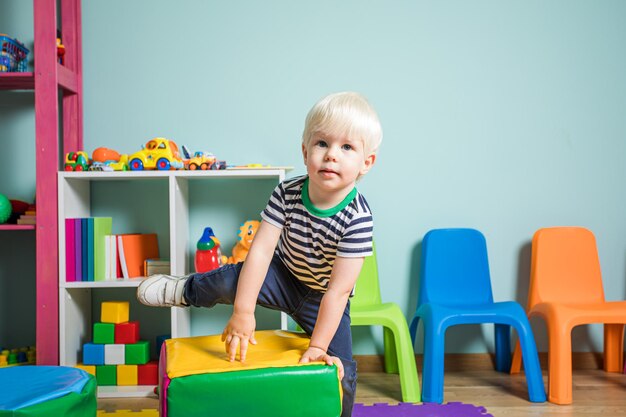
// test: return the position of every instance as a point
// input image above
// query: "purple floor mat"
(453, 409)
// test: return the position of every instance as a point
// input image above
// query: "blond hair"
(345, 113)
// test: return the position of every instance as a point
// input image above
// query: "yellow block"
(206, 354)
(114, 312)
(91, 369)
(126, 374)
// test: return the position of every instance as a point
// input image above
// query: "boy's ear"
(368, 163)
(304, 153)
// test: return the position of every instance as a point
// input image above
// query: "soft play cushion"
(46, 391)
(198, 379)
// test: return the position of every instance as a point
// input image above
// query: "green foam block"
(302, 391)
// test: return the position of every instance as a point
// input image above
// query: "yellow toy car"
(158, 153)
(200, 160)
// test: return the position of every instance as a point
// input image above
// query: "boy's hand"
(238, 333)
(314, 354)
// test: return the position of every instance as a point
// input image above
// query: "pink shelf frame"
(48, 77)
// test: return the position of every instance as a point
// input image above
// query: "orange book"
(134, 249)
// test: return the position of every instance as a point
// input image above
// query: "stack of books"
(94, 253)
(29, 216)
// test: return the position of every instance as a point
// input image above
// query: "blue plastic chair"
(455, 288)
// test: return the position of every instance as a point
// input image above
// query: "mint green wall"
(505, 116)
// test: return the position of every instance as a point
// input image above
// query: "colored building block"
(93, 354)
(137, 353)
(114, 311)
(106, 374)
(90, 369)
(104, 333)
(126, 374)
(114, 354)
(148, 374)
(127, 333)
(197, 380)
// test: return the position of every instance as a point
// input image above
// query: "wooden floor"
(596, 393)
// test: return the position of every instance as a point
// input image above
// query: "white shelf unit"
(75, 298)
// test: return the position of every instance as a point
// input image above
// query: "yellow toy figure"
(247, 231)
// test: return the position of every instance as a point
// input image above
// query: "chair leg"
(613, 347)
(503, 347)
(413, 328)
(559, 363)
(405, 362)
(532, 368)
(391, 358)
(432, 373)
(516, 360)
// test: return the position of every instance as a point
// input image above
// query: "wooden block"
(104, 333)
(126, 374)
(114, 312)
(114, 354)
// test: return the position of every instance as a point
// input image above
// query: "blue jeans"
(283, 292)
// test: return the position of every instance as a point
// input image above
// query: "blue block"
(93, 354)
(159, 341)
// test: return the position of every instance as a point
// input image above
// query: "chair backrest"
(367, 290)
(454, 268)
(565, 266)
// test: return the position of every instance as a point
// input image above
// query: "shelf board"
(135, 391)
(17, 227)
(224, 173)
(120, 283)
(67, 79)
(17, 81)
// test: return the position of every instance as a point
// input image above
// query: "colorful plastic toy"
(111, 165)
(247, 231)
(5, 208)
(13, 55)
(208, 253)
(105, 154)
(158, 153)
(77, 161)
(200, 160)
(116, 354)
(26, 355)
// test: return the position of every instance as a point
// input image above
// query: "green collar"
(328, 212)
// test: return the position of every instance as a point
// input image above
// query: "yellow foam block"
(91, 369)
(206, 354)
(126, 374)
(114, 312)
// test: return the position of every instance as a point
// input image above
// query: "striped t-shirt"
(311, 239)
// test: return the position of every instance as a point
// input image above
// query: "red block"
(127, 333)
(147, 374)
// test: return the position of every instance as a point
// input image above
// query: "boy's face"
(335, 162)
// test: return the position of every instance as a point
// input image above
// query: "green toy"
(5, 209)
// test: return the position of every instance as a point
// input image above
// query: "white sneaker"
(162, 291)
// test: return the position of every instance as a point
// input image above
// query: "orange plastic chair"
(566, 291)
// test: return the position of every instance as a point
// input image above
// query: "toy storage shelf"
(58, 129)
(17, 81)
(17, 227)
(76, 298)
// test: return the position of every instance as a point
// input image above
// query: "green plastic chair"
(367, 309)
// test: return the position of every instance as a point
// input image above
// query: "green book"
(101, 227)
